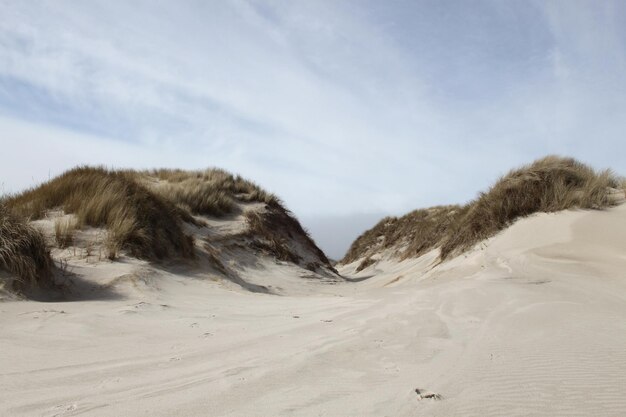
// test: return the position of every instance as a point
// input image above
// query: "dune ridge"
(549, 184)
(157, 216)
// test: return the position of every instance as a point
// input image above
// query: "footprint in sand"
(42, 313)
(143, 306)
(169, 361)
(61, 410)
(109, 382)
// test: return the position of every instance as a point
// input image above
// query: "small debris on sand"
(427, 395)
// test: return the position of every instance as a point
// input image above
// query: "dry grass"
(547, 185)
(411, 235)
(143, 212)
(140, 222)
(144, 215)
(64, 232)
(118, 229)
(365, 263)
(23, 252)
(212, 192)
(198, 198)
(269, 239)
(275, 229)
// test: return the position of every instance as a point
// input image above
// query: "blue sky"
(348, 110)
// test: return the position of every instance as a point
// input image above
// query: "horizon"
(348, 111)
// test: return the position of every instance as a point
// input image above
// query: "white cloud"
(228, 79)
(339, 107)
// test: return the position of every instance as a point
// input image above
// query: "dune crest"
(548, 185)
(209, 223)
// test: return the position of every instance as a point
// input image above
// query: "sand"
(529, 323)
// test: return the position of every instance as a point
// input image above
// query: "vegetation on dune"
(212, 192)
(268, 239)
(23, 253)
(366, 263)
(139, 221)
(144, 214)
(64, 232)
(416, 233)
(276, 231)
(215, 192)
(547, 185)
(144, 211)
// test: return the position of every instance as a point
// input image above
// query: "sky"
(348, 110)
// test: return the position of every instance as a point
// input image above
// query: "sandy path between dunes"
(535, 324)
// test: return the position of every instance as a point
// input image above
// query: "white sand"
(532, 324)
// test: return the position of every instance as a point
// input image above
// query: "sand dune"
(531, 322)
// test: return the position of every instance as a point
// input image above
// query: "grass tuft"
(23, 252)
(64, 232)
(367, 262)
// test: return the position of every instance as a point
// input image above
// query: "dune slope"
(208, 223)
(547, 185)
(532, 322)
